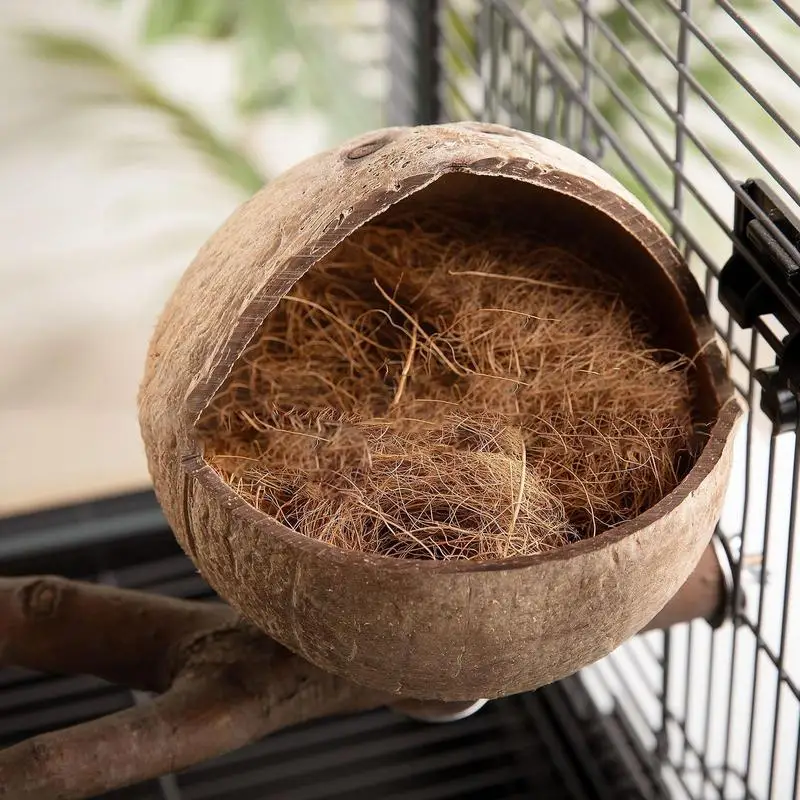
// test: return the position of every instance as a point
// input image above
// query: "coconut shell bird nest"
(441, 412)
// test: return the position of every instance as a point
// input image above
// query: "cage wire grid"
(682, 100)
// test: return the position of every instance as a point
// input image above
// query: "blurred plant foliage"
(263, 32)
(292, 55)
(121, 83)
(288, 55)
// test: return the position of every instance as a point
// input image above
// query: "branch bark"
(223, 684)
(51, 624)
(703, 596)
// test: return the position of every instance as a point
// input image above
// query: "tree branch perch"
(55, 625)
(222, 683)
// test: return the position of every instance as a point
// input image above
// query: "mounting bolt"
(778, 400)
(433, 711)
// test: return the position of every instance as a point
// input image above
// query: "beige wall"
(100, 210)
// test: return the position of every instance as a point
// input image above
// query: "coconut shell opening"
(464, 379)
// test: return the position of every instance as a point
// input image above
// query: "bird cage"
(689, 104)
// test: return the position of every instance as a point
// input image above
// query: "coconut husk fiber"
(435, 389)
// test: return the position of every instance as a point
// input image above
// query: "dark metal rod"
(553, 744)
(787, 591)
(669, 212)
(775, 342)
(662, 736)
(712, 664)
(706, 773)
(680, 122)
(633, 700)
(737, 591)
(651, 651)
(651, 35)
(591, 113)
(657, 95)
(703, 766)
(487, 40)
(587, 75)
(675, 166)
(766, 48)
(751, 388)
(648, 32)
(624, 155)
(790, 12)
(797, 764)
(629, 654)
(426, 13)
(760, 622)
(623, 151)
(535, 88)
(694, 751)
(619, 95)
(723, 60)
(517, 79)
(564, 722)
(687, 690)
(604, 681)
(761, 643)
(714, 641)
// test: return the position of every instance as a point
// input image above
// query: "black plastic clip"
(762, 278)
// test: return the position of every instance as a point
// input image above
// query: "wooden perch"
(222, 683)
(703, 596)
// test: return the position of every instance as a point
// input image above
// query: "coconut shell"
(452, 630)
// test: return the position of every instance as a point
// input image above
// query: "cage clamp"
(762, 277)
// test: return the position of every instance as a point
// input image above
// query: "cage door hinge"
(762, 278)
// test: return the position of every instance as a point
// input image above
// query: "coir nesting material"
(437, 390)
(441, 411)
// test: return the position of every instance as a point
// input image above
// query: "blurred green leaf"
(125, 84)
(211, 19)
(263, 32)
(269, 36)
(316, 73)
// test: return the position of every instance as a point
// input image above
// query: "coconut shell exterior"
(451, 630)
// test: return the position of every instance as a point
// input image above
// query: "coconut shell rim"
(725, 426)
(365, 209)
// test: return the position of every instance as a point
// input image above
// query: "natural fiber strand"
(440, 390)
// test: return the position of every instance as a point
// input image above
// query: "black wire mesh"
(681, 100)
